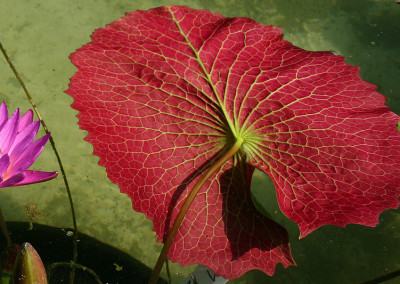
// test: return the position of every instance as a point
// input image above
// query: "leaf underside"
(163, 92)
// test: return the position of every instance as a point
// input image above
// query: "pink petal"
(28, 156)
(30, 177)
(12, 181)
(25, 120)
(3, 114)
(23, 140)
(8, 132)
(4, 164)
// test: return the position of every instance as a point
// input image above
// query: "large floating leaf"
(163, 92)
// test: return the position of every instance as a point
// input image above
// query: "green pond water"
(40, 35)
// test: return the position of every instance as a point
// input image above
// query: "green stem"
(185, 207)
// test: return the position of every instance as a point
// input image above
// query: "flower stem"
(185, 207)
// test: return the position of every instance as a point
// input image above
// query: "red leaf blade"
(162, 92)
(329, 142)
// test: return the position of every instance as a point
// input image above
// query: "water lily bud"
(29, 268)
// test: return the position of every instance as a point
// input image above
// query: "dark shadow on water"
(55, 245)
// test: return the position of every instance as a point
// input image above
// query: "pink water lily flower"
(18, 151)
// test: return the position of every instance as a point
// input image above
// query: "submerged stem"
(185, 207)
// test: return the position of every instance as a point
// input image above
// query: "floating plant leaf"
(164, 92)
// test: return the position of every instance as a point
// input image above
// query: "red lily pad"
(163, 92)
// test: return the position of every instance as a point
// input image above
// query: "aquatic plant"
(18, 151)
(8, 256)
(181, 106)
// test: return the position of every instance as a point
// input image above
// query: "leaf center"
(250, 142)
